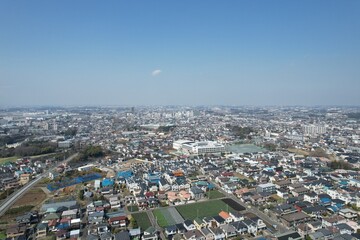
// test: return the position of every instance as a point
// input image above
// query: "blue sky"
(186, 52)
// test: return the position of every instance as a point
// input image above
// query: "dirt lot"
(34, 197)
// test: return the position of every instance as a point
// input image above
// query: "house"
(96, 217)
(72, 213)
(50, 217)
(75, 223)
(282, 193)
(299, 191)
(348, 214)
(293, 219)
(28, 218)
(311, 197)
(236, 216)
(289, 235)
(315, 212)
(199, 223)
(124, 235)
(226, 216)
(135, 233)
(218, 233)
(92, 237)
(114, 202)
(15, 231)
(189, 225)
(164, 185)
(102, 228)
(251, 226)
(196, 193)
(219, 220)
(321, 234)
(180, 228)
(331, 221)
(62, 234)
(194, 235)
(117, 221)
(24, 178)
(56, 206)
(240, 227)
(170, 230)
(9, 183)
(150, 234)
(106, 236)
(207, 234)
(266, 187)
(41, 230)
(75, 234)
(344, 228)
(229, 230)
(259, 223)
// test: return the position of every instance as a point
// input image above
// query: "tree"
(340, 165)
(81, 194)
(133, 222)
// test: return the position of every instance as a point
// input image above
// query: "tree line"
(29, 149)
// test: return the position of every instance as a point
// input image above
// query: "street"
(7, 203)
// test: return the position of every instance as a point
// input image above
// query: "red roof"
(119, 218)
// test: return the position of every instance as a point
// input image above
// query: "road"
(8, 202)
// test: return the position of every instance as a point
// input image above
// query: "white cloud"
(156, 72)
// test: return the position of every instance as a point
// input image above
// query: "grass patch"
(8, 159)
(161, 220)
(2, 235)
(202, 209)
(6, 193)
(142, 220)
(214, 194)
(132, 208)
(19, 210)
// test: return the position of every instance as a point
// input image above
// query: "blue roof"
(125, 174)
(325, 200)
(334, 208)
(107, 182)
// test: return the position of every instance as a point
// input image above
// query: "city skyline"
(179, 53)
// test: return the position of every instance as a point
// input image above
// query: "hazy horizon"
(183, 53)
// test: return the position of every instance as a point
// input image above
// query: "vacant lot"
(214, 194)
(234, 205)
(203, 209)
(142, 220)
(34, 197)
(167, 216)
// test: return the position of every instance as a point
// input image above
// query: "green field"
(142, 220)
(9, 159)
(13, 159)
(132, 208)
(214, 194)
(202, 209)
(161, 220)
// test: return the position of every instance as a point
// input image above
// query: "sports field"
(203, 209)
(167, 216)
